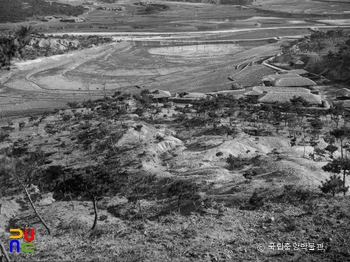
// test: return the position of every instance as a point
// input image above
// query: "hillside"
(326, 53)
(222, 2)
(19, 10)
(26, 44)
(192, 171)
(215, 182)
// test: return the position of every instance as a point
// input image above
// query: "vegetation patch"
(17, 10)
(153, 9)
(324, 53)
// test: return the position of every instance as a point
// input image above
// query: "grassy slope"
(233, 236)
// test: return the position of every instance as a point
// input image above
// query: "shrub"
(19, 149)
(250, 174)
(66, 117)
(3, 136)
(236, 162)
(256, 201)
(334, 185)
(155, 8)
(159, 137)
(73, 104)
(21, 125)
(331, 149)
(183, 190)
(218, 131)
(289, 223)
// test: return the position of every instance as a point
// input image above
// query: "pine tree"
(333, 185)
(340, 165)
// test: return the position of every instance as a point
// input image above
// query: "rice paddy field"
(185, 47)
(336, 8)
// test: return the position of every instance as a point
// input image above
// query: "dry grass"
(232, 236)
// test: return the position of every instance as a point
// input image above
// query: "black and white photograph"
(174, 130)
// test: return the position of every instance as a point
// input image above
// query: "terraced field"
(187, 47)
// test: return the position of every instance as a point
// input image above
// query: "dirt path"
(132, 35)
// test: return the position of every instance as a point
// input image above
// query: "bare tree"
(3, 253)
(14, 173)
(33, 206)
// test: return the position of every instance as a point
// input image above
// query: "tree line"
(19, 10)
(12, 45)
(333, 49)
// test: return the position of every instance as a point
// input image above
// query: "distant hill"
(328, 53)
(11, 11)
(19, 10)
(222, 2)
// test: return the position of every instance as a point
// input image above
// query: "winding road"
(189, 34)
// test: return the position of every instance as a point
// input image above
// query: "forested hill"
(222, 2)
(19, 10)
(326, 53)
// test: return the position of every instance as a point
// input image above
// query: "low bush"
(293, 195)
(250, 174)
(154, 8)
(237, 162)
(333, 185)
(218, 154)
(218, 131)
(3, 135)
(256, 201)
